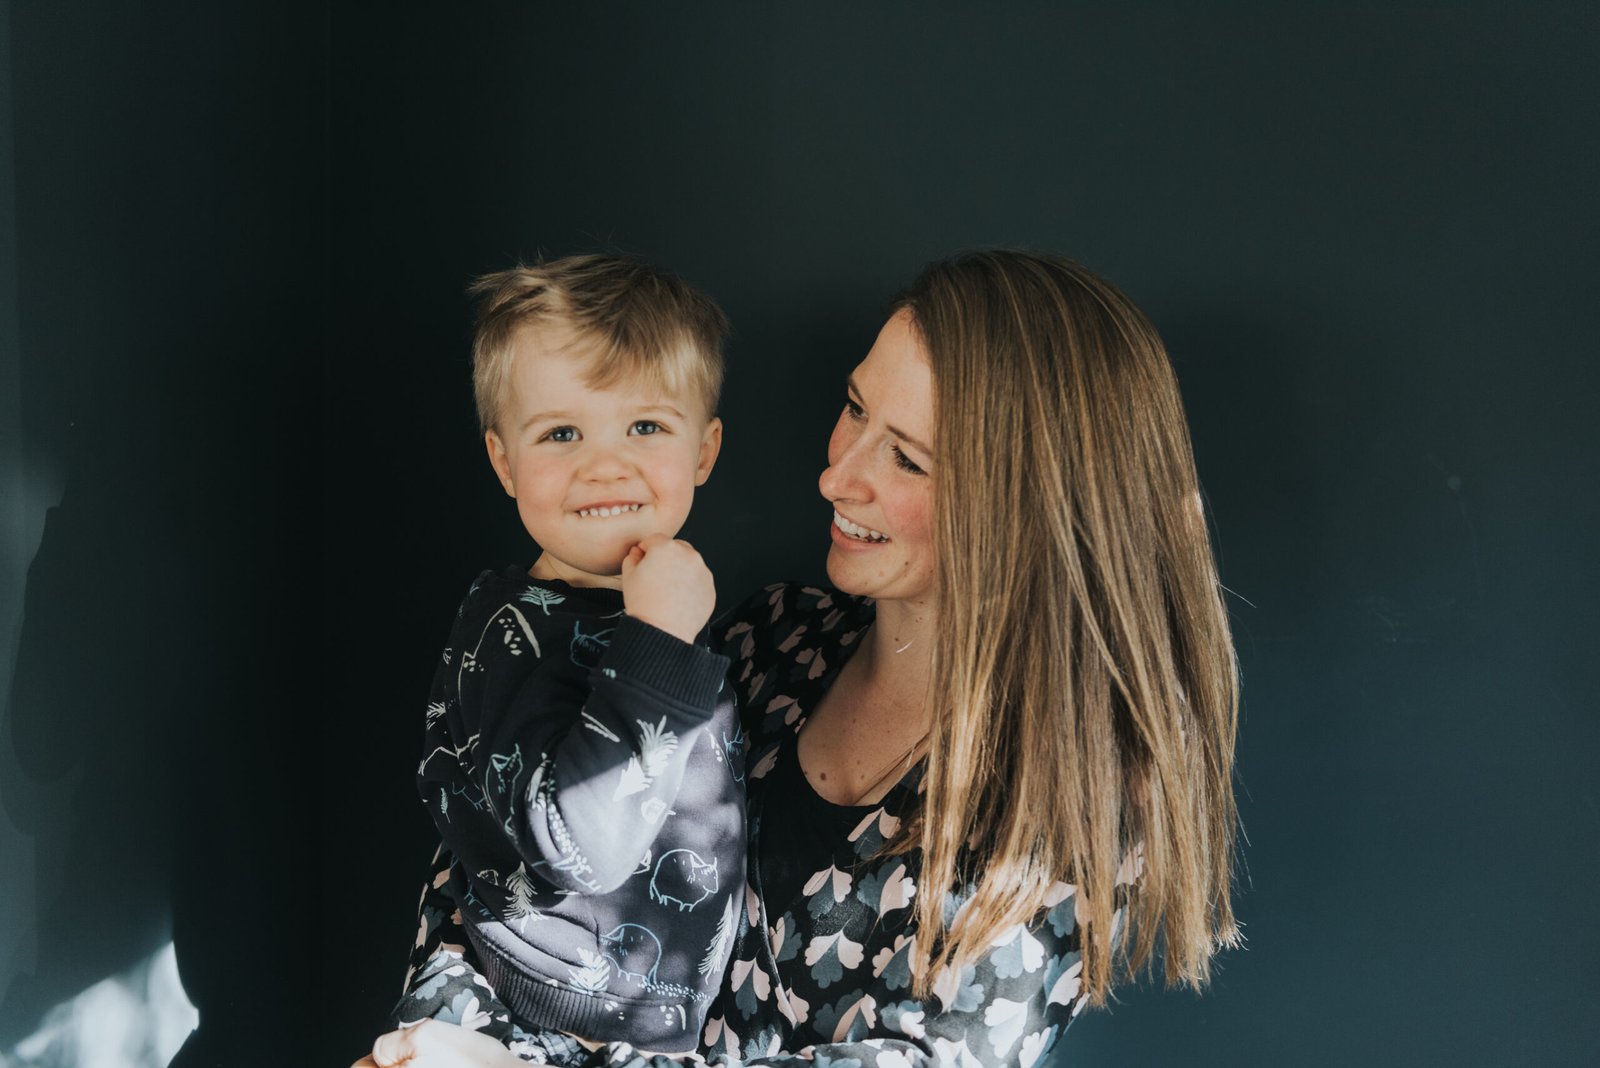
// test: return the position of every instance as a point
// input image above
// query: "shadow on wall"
(151, 768)
(159, 739)
(149, 778)
(99, 730)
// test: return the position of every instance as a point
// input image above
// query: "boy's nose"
(602, 464)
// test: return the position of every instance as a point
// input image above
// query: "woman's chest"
(829, 926)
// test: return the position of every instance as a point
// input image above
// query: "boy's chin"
(604, 568)
(581, 570)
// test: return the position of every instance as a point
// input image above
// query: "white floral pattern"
(825, 980)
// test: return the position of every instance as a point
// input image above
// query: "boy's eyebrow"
(658, 406)
(850, 386)
(537, 416)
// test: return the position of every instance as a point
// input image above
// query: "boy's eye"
(904, 462)
(645, 426)
(561, 434)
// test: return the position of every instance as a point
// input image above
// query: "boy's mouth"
(603, 511)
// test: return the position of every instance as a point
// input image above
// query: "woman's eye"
(646, 426)
(855, 410)
(904, 462)
(561, 434)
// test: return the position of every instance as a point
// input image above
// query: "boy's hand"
(667, 585)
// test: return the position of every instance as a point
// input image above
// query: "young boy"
(582, 761)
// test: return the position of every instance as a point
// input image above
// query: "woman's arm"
(1007, 1009)
(432, 1044)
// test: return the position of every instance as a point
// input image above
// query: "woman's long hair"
(1085, 681)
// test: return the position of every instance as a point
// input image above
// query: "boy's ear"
(710, 445)
(499, 461)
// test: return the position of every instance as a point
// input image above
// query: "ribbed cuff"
(665, 1025)
(648, 656)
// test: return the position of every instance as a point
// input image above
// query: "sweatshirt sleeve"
(569, 733)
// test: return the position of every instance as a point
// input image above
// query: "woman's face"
(878, 475)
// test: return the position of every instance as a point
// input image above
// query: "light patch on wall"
(138, 1019)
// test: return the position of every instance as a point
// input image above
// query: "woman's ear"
(710, 445)
(500, 461)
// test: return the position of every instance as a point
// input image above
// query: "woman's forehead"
(895, 380)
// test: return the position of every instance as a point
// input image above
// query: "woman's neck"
(896, 659)
(900, 626)
(871, 724)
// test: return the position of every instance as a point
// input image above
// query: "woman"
(995, 764)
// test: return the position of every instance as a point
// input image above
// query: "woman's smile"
(855, 531)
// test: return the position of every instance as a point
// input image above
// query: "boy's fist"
(667, 585)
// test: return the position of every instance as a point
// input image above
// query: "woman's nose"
(843, 478)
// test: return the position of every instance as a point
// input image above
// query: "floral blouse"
(824, 979)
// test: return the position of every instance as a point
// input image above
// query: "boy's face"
(594, 471)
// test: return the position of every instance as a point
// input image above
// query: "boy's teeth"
(855, 531)
(615, 509)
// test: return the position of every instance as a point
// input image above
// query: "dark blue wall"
(1369, 237)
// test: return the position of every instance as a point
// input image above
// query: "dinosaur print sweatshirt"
(586, 771)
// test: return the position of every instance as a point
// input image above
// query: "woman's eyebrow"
(850, 387)
(909, 440)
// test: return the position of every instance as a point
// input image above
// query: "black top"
(801, 829)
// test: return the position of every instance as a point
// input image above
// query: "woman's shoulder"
(782, 642)
(775, 614)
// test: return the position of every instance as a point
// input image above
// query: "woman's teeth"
(858, 532)
(615, 509)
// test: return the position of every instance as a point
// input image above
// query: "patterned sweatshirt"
(586, 773)
(820, 971)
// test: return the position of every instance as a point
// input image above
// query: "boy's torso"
(635, 963)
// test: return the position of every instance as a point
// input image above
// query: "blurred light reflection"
(137, 1019)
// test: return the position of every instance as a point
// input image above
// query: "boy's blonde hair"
(645, 322)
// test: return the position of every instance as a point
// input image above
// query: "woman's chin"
(846, 575)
